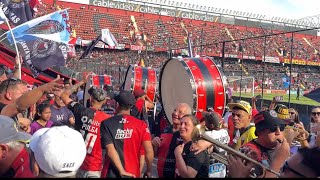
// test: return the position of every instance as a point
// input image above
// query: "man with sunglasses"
(269, 129)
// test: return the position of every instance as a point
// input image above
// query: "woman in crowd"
(42, 118)
(294, 116)
(188, 164)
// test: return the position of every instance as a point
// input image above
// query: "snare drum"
(138, 77)
(98, 81)
(195, 81)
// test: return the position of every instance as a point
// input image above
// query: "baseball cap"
(125, 98)
(59, 150)
(267, 120)
(282, 111)
(109, 90)
(9, 131)
(244, 105)
(97, 93)
(138, 93)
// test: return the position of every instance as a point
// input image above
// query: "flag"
(90, 47)
(2, 16)
(42, 42)
(108, 38)
(314, 95)
(18, 11)
(52, 27)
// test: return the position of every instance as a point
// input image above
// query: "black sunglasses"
(8, 82)
(286, 166)
(315, 113)
(274, 128)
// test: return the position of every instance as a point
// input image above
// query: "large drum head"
(175, 87)
(195, 81)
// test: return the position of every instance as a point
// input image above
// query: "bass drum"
(138, 77)
(195, 81)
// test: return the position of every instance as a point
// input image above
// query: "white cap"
(59, 150)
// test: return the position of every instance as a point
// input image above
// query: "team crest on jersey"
(43, 48)
(46, 27)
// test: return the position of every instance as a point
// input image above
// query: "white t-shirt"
(218, 170)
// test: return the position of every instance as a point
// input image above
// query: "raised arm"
(31, 97)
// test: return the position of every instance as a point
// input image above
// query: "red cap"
(138, 93)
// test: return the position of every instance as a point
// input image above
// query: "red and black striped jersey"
(127, 134)
(87, 122)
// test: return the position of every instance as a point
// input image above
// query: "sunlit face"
(271, 136)
(58, 101)
(240, 118)
(315, 114)
(264, 108)
(46, 114)
(178, 113)
(186, 128)
(292, 114)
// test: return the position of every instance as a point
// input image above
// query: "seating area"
(163, 33)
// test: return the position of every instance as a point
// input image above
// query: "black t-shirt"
(199, 162)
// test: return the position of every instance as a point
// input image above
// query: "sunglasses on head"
(315, 113)
(274, 128)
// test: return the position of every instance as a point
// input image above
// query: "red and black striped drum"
(98, 81)
(145, 78)
(101, 80)
(195, 81)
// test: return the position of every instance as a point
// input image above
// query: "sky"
(293, 9)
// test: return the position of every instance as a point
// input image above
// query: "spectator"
(121, 132)
(188, 164)
(60, 114)
(87, 121)
(14, 156)
(165, 144)
(42, 118)
(57, 152)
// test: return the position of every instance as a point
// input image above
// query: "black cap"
(109, 90)
(125, 98)
(266, 120)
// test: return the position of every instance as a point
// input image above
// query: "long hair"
(296, 116)
(40, 108)
(195, 135)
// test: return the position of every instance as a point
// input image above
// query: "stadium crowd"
(113, 136)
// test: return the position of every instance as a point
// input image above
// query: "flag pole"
(15, 45)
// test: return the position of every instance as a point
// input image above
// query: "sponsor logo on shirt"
(123, 134)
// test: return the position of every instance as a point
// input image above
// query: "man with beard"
(165, 145)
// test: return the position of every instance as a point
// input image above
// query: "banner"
(271, 59)
(137, 48)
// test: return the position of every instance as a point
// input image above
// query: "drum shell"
(195, 81)
(138, 77)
